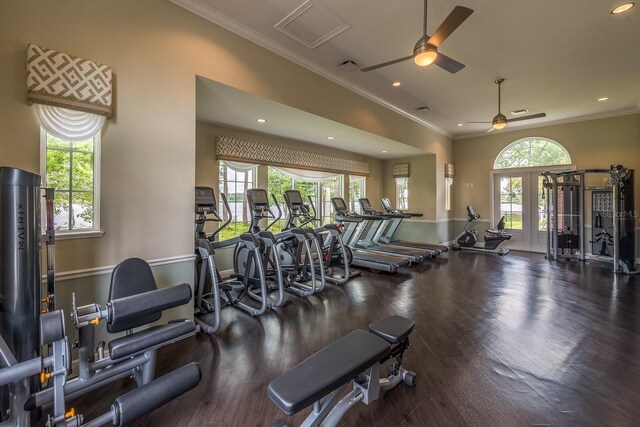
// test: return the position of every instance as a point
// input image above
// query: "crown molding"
(554, 123)
(235, 27)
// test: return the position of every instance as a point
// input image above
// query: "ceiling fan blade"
(448, 64)
(532, 116)
(384, 64)
(484, 123)
(457, 16)
(491, 129)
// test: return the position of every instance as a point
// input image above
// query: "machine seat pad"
(147, 338)
(393, 329)
(326, 370)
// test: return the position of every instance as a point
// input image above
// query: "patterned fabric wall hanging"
(61, 80)
(228, 148)
(401, 170)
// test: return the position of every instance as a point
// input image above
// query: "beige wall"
(422, 184)
(591, 144)
(207, 167)
(148, 157)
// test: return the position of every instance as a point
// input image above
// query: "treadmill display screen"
(386, 204)
(365, 203)
(339, 203)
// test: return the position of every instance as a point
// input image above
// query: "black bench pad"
(139, 341)
(393, 329)
(327, 370)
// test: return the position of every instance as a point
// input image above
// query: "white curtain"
(70, 125)
(306, 175)
(239, 166)
(448, 182)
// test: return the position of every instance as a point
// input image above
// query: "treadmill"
(361, 257)
(375, 233)
(361, 238)
(388, 235)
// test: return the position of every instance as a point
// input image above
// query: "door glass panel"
(542, 210)
(511, 202)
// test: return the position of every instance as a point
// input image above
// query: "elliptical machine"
(212, 293)
(336, 256)
(468, 238)
(286, 257)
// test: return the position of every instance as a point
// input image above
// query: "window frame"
(354, 205)
(399, 204)
(530, 139)
(252, 184)
(95, 231)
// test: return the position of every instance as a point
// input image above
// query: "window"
(511, 202)
(357, 190)
(529, 152)
(320, 187)
(72, 169)
(329, 188)
(402, 193)
(234, 180)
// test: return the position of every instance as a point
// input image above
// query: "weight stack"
(19, 265)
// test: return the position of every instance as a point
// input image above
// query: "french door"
(519, 198)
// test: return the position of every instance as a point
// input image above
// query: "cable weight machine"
(613, 217)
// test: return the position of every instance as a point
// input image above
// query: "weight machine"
(613, 216)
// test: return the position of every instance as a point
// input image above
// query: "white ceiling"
(557, 57)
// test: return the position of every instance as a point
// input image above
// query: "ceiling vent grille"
(312, 24)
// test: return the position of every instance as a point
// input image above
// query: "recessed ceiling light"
(329, 137)
(261, 120)
(604, 98)
(623, 8)
(384, 151)
(460, 124)
(396, 84)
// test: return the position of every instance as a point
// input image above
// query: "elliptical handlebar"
(270, 213)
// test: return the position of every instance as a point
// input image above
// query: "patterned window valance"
(401, 170)
(61, 80)
(228, 148)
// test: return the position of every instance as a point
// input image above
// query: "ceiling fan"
(500, 121)
(425, 51)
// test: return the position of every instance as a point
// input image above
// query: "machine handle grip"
(148, 302)
(141, 401)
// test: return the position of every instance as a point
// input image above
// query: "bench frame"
(329, 410)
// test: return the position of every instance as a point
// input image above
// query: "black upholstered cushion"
(132, 276)
(139, 341)
(327, 370)
(393, 329)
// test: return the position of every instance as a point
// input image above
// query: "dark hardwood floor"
(510, 341)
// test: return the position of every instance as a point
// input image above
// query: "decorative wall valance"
(228, 148)
(61, 80)
(401, 170)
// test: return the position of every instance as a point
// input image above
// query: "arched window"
(531, 152)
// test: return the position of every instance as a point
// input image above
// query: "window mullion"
(70, 190)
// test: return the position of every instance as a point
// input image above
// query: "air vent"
(520, 112)
(348, 65)
(312, 24)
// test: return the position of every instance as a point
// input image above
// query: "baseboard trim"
(98, 271)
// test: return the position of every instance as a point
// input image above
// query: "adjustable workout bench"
(321, 378)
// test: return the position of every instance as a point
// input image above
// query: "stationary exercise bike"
(468, 238)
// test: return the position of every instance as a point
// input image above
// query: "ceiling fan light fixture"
(423, 53)
(499, 121)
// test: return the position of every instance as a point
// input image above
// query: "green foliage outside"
(532, 152)
(69, 169)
